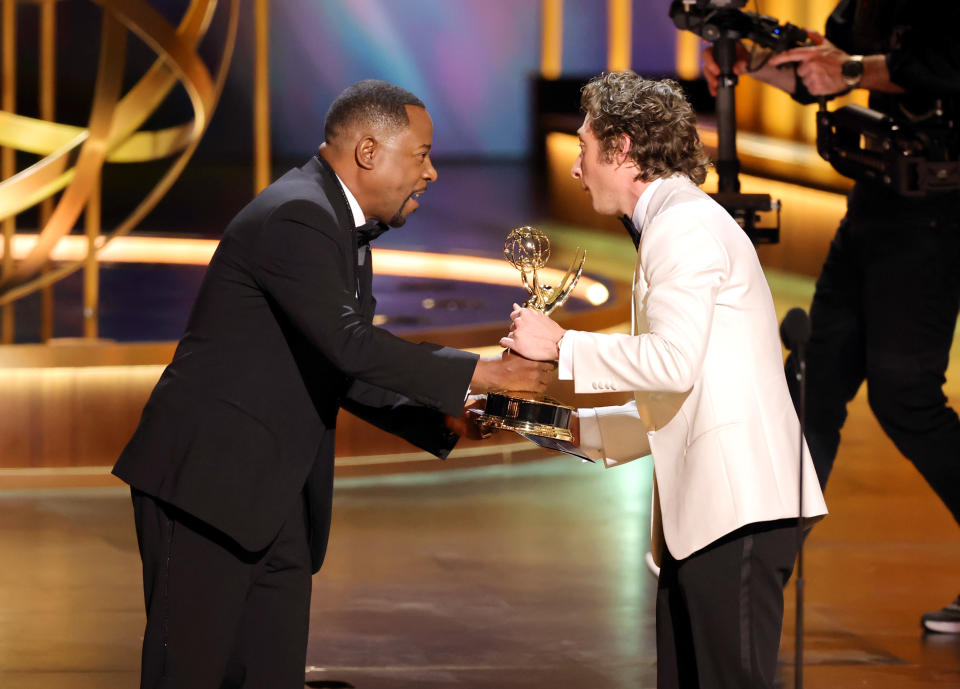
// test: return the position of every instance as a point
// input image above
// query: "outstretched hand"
(533, 335)
(818, 65)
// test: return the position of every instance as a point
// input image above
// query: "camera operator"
(886, 302)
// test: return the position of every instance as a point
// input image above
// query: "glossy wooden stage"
(526, 576)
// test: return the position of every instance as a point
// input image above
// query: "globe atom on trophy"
(527, 249)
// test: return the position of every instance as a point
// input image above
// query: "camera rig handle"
(721, 23)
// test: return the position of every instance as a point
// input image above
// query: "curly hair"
(654, 115)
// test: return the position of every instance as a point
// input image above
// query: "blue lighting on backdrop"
(469, 60)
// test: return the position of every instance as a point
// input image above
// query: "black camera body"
(911, 159)
(723, 23)
(716, 19)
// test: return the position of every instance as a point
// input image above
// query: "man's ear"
(623, 151)
(365, 152)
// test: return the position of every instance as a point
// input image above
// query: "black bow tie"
(369, 231)
(632, 229)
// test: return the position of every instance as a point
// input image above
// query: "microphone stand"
(795, 333)
(802, 412)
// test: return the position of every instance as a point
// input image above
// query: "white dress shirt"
(358, 217)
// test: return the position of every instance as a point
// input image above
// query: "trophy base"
(527, 413)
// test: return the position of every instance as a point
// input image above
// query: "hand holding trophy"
(527, 249)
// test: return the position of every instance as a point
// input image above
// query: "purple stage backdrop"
(469, 60)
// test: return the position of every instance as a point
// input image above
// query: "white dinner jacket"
(704, 361)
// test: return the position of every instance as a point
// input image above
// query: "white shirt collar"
(358, 217)
(640, 210)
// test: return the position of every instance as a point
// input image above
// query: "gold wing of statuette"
(569, 281)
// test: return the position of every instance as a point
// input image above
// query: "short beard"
(399, 218)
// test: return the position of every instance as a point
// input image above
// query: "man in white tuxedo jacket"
(710, 398)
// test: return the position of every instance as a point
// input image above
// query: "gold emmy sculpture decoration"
(527, 249)
(72, 157)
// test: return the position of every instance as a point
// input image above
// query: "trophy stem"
(536, 300)
(527, 249)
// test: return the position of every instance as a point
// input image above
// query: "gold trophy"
(527, 249)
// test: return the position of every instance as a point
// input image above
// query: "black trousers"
(884, 312)
(720, 611)
(219, 616)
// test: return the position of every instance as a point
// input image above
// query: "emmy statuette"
(527, 249)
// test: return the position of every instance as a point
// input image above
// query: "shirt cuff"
(591, 442)
(565, 361)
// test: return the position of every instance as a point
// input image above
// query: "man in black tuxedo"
(231, 466)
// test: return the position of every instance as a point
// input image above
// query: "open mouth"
(415, 197)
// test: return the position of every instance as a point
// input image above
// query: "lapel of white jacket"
(647, 209)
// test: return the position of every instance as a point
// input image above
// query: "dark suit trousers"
(884, 312)
(217, 615)
(720, 611)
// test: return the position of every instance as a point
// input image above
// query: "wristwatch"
(852, 71)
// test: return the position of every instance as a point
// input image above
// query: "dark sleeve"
(302, 261)
(396, 414)
(839, 29)
(928, 58)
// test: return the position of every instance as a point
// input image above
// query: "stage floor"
(528, 576)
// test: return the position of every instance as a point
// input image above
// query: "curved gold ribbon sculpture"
(74, 156)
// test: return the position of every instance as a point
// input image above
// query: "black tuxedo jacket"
(279, 339)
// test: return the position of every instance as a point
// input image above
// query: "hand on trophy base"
(468, 425)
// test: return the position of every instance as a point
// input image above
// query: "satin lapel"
(661, 196)
(365, 286)
(639, 311)
(327, 180)
(638, 319)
